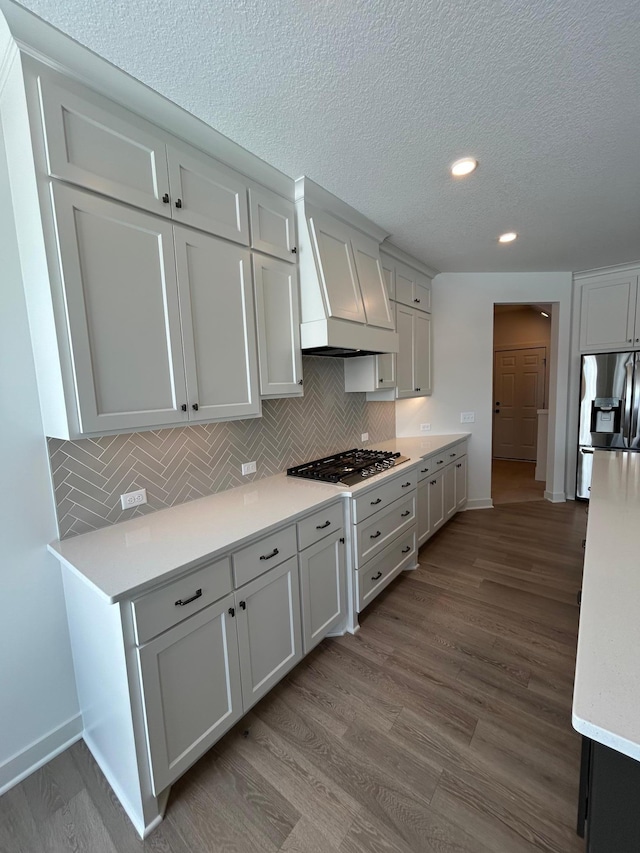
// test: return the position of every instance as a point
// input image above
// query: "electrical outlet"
(425, 427)
(364, 436)
(467, 417)
(131, 500)
(248, 468)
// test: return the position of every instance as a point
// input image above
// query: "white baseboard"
(27, 761)
(479, 503)
(555, 497)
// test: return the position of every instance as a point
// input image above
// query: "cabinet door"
(449, 491)
(336, 268)
(216, 303)
(405, 326)
(191, 690)
(278, 320)
(386, 370)
(422, 293)
(118, 273)
(374, 294)
(100, 146)
(269, 634)
(272, 225)
(461, 483)
(405, 284)
(422, 354)
(607, 313)
(436, 500)
(423, 519)
(207, 195)
(323, 588)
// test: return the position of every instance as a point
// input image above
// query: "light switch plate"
(467, 417)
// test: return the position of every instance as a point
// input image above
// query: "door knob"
(497, 411)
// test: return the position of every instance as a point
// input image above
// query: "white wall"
(38, 703)
(463, 367)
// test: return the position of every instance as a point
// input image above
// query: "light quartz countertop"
(606, 697)
(131, 557)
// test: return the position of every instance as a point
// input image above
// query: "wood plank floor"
(513, 481)
(444, 725)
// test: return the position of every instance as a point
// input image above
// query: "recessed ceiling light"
(509, 237)
(463, 167)
(544, 313)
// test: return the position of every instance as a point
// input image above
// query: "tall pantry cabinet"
(137, 262)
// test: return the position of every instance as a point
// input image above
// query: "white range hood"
(345, 309)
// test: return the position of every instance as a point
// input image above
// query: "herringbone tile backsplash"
(178, 465)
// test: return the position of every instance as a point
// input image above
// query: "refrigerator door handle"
(628, 401)
(633, 435)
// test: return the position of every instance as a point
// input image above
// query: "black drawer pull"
(406, 485)
(375, 535)
(377, 501)
(181, 602)
(424, 470)
(232, 612)
(451, 455)
(405, 513)
(322, 526)
(375, 577)
(243, 605)
(269, 556)
(459, 465)
(440, 461)
(406, 550)
(433, 482)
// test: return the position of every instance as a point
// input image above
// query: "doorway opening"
(521, 364)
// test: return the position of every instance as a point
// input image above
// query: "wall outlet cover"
(425, 427)
(364, 436)
(248, 468)
(467, 417)
(130, 500)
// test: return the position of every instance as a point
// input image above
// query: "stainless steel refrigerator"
(609, 406)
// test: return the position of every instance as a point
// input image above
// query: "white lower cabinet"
(461, 482)
(442, 489)
(436, 501)
(323, 588)
(269, 633)
(190, 679)
(449, 487)
(423, 515)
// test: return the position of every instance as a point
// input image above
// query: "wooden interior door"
(518, 384)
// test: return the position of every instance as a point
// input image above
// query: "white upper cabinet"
(412, 287)
(216, 304)
(207, 195)
(273, 229)
(119, 282)
(336, 267)
(278, 322)
(372, 286)
(422, 354)
(413, 364)
(608, 312)
(94, 143)
(98, 145)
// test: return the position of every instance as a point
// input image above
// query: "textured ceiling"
(374, 98)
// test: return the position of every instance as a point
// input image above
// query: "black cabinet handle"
(269, 556)
(232, 611)
(452, 455)
(184, 407)
(182, 601)
(440, 461)
(195, 407)
(294, 251)
(243, 605)
(322, 526)
(375, 577)
(342, 540)
(459, 465)
(406, 550)
(375, 535)
(424, 470)
(379, 500)
(380, 380)
(433, 482)
(165, 198)
(416, 299)
(406, 485)
(405, 514)
(418, 389)
(179, 203)
(300, 382)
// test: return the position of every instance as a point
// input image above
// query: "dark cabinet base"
(609, 805)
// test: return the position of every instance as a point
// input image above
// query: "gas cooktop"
(348, 468)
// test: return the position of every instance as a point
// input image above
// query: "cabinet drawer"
(452, 453)
(381, 528)
(318, 525)
(372, 579)
(426, 467)
(377, 499)
(255, 559)
(165, 607)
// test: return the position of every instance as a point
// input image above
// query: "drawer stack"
(384, 535)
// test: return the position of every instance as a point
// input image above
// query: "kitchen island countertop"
(606, 695)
